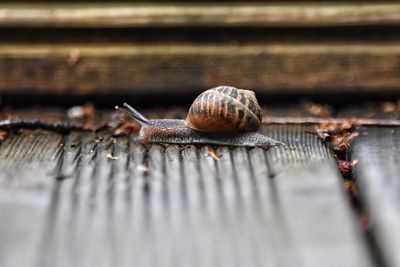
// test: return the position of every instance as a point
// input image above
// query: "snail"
(223, 115)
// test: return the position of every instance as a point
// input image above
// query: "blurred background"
(147, 52)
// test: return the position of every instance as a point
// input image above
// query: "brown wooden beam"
(198, 14)
(186, 68)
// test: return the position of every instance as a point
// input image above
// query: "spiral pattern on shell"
(225, 109)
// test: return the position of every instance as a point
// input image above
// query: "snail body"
(223, 116)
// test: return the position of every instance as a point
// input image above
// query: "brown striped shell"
(225, 109)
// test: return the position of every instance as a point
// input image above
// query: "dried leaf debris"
(346, 167)
(318, 110)
(3, 135)
(213, 153)
(125, 125)
(126, 128)
(74, 57)
(339, 136)
(80, 112)
(112, 157)
(390, 107)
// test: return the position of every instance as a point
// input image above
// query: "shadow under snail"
(223, 116)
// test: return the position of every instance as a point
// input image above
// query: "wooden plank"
(198, 14)
(191, 68)
(378, 176)
(176, 206)
(27, 162)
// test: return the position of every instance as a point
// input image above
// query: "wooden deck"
(379, 178)
(86, 199)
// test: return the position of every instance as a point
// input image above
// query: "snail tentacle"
(133, 113)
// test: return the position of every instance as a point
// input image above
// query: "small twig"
(51, 126)
(314, 120)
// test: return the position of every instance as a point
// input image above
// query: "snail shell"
(225, 109)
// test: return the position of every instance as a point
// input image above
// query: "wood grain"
(198, 14)
(173, 205)
(191, 68)
(378, 175)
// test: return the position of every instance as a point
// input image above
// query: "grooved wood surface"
(64, 202)
(198, 14)
(378, 174)
(185, 68)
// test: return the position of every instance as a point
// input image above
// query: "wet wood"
(378, 175)
(198, 14)
(316, 120)
(191, 68)
(88, 199)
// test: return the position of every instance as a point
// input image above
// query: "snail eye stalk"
(133, 113)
